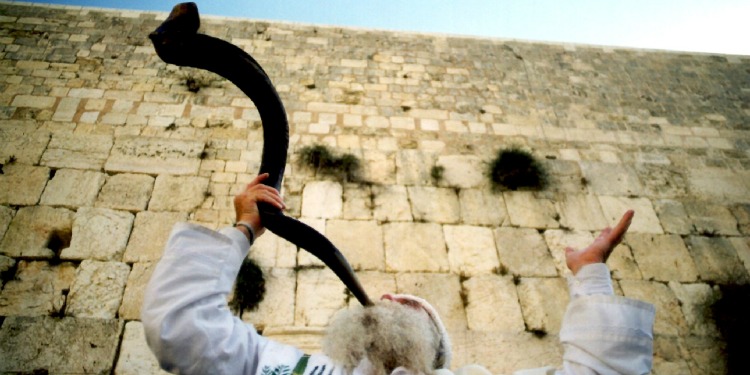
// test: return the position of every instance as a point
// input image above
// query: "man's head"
(399, 331)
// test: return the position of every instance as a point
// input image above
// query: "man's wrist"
(247, 229)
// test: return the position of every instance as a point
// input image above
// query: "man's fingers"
(257, 180)
(619, 231)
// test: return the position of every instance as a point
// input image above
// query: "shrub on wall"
(515, 168)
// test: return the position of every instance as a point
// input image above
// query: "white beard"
(385, 336)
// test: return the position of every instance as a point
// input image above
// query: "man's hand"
(246, 203)
(599, 250)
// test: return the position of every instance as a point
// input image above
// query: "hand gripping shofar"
(177, 42)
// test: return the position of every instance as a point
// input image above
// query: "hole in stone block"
(58, 240)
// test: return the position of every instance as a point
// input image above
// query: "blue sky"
(714, 26)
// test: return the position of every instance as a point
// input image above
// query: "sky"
(709, 26)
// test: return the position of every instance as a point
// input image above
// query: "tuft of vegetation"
(437, 173)
(345, 168)
(515, 168)
(249, 289)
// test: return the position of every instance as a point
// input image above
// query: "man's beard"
(388, 335)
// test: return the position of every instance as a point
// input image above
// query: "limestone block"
(669, 319)
(696, 301)
(481, 207)
(493, 304)
(99, 233)
(126, 191)
(719, 184)
(277, 307)
(611, 179)
(581, 212)
(543, 302)
(376, 284)
(524, 252)
(431, 204)
(132, 298)
(741, 212)
(564, 176)
(361, 242)
(622, 264)
(706, 355)
(35, 229)
(557, 240)
(742, 245)
(306, 339)
(379, 167)
(270, 251)
(60, 346)
(358, 202)
(526, 210)
(442, 291)
(22, 185)
(149, 236)
(414, 247)
(717, 260)
(97, 290)
(6, 215)
(73, 188)
(668, 356)
(178, 193)
(391, 203)
(471, 250)
(135, 356)
(37, 289)
(320, 294)
(462, 171)
(662, 257)
(154, 156)
(413, 167)
(322, 199)
(77, 151)
(23, 141)
(662, 181)
(673, 217)
(517, 350)
(644, 221)
(711, 219)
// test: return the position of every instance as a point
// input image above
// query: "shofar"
(177, 42)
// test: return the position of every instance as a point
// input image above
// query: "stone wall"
(104, 147)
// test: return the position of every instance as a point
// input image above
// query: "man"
(191, 330)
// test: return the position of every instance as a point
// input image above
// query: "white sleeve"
(185, 315)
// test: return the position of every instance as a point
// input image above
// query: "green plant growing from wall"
(515, 168)
(345, 168)
(437, 173)
(249, 289)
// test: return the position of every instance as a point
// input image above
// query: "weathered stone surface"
(361, 242)
(413, 167)
(126, 191)
(711, 219)
(414, 247)
(21, 184)
(471, 250)
(61, 346)
(461, 171)
(543, 302)
(322, 199)
(705, 355)
(376, 284)
(742, 214)
(662, 181)
(493, 304)
(23, 141)
(526, 210)
(6, 215)
(97, 290)
(272, 251)
(391, 203)
(439, 205)
(673, 217)
(611, 179)
(644, 221)
(669, 318)
(443, 291)
(37, 289)
(6, 267)
(154, 156)
(77, 151)
(150, 233)
(320, 294)
(99, 234)
(358, 202)
(564, 176)
(307, 339)
(696, 301)
(178, 193)
(132, 298)
(622, 264)
(135, 356)
(662, 257)
(581, 212)
(73, 188)
(34, 230)
(719, 184)
(524, 252)
(557, 240)
(516, 350)
(717, 260)
(481, 207)
(742, 245)
(668, 356)
(276, 309)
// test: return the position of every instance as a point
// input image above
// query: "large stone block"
(277, 307)
(322, 199)
(77, 151)
(461, 171)
(126, 191)
(22, 185)
(97, 290)
(662, 181)
(543, 302)
(696, 301)
(132, 298)
(524, 252)
(361, 242)
(706, 355)
(149, 236)
(581, 212)
(717, 260)
(358, 202)
(644, 221)
(413, 167)
(719, 184)
(622, 264)
(37, 289)
(22, 141)
(557, 240)
(526, 210)
(611, 179)
(73, 188)
(391, 203)
(59, 346)
(135, 356)
(669, 318)
(6, 215)
(742, 214)
(471, 250)
(376, 284)
(673, 217)
(493, 304)
(431, 204)
(711, 219)
(481, 207)
(272, 251)
(442, 291)
(154, 156)
(414, 247)
(99, 234)
(38, 232)
(178, 193)
(662, 257)
(320, 294)
(742, 245)
(505, 352)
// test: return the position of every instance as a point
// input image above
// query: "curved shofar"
(177, 42)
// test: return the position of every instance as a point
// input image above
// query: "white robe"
(189, 326)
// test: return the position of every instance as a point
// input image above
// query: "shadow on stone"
(731, 314)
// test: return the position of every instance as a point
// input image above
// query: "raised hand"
(246, 203)
(601, 248)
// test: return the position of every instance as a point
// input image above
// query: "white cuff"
(591, 279)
